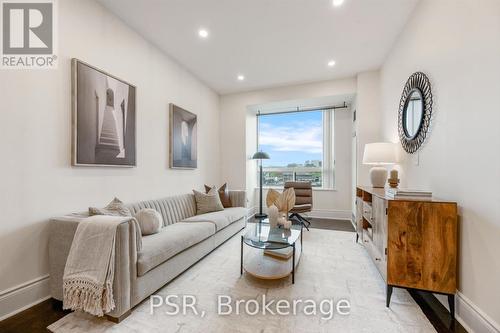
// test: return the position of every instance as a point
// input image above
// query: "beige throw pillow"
(223, 195)
(150, 221)
(114, 208)
(207, 202)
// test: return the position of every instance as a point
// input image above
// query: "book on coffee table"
(278, 235)
(283, 254)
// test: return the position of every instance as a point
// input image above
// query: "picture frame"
(104, 122)
(183, 135)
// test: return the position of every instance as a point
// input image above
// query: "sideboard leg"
(451, 303)
(357, 237)
(389, 294)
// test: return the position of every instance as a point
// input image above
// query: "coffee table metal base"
(261, 266)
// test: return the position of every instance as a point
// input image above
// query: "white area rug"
(332, 266)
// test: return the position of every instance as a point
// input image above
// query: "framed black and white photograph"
(104, 118)
(183, 138)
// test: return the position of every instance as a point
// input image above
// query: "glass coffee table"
(262, 262)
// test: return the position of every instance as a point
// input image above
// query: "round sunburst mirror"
(415, 112)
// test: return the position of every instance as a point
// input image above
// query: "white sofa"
(184, 239)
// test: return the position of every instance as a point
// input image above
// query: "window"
(300, 145)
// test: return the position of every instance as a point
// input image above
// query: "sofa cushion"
(171, 240)
(207, 202)
(220, 219)
(114, 208)
(223, 195)
(150, 221)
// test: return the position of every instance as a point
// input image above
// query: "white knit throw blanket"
(89, 272)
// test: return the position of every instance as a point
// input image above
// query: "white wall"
(367, 119)
(457, 44)
(238, 130)
(35, 135)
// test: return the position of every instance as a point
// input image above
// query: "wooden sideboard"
(413, 243)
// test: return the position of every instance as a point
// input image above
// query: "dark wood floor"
(437, 314)
(37, 318)
(339, 225)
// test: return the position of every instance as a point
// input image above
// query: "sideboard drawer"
(367, 211)
(377, 257)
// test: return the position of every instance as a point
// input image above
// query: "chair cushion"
(220, 219)
(301, 208)
(172, 239)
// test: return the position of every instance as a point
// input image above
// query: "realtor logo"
(28, 31)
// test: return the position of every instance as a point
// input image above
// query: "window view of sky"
(291, 138)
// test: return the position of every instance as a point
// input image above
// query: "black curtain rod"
(331, 107)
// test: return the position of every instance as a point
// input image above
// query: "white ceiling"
(271, 42)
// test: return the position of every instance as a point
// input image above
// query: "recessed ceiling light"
(331, 63)
(203, 33)
(338, 3)
(241, 77)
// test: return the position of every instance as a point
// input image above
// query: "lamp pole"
(260, 156)
(261, 215)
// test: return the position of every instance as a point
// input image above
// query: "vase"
(273, 216)
(287, 224)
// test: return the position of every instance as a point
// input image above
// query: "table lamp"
(379, 154)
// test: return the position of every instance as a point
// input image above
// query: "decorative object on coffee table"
(287, 224)
(274, 216)
(104, 112)
(379, 154)
(272, 196)
(393, 179)
(260, 155)
(283, 201)
(183, 139)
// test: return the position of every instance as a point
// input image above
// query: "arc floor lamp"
(260, 155)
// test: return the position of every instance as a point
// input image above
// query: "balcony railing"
(278, 176)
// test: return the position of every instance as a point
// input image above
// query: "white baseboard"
(331, 214)
(23, 296)
(472, 318)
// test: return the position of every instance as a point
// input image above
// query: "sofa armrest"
(61, 233)
(238, 198)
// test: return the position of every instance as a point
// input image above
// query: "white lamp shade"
(380, 153)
